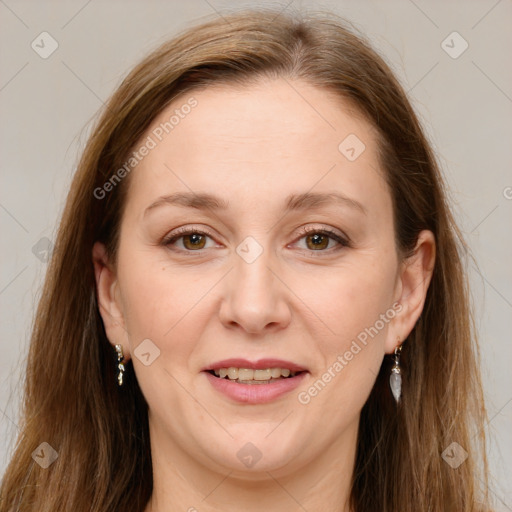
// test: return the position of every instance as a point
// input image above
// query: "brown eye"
(187, 240)
(317, 241)
(194, 241)
(322, 241)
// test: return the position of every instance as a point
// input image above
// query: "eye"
(318, 240)
(193, 239)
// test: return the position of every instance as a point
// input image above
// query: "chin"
(255, 453)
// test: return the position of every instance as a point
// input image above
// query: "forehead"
(258, 142)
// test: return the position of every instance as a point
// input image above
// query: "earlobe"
(413, 283)
(108, 298)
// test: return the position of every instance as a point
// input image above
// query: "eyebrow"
(307, 200)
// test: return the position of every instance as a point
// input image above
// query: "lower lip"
(255, 393)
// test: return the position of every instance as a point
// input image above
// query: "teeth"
(247, 374)
(261, 374)
(244, 374)
(275, 373)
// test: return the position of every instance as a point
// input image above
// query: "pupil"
(195, 238)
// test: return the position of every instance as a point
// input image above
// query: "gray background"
(465, 104)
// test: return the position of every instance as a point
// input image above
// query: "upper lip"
(261, 364)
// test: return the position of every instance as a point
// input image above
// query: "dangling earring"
(395, 379)
(120, 365)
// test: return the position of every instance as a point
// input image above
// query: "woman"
(257, 297)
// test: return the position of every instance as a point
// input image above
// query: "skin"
(253, 146)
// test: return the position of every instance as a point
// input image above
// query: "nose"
(255, 299)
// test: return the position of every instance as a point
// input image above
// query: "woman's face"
(288, 264)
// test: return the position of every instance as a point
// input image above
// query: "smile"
(259, 382)
(250, 376)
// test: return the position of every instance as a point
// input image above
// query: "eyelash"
(305, 231)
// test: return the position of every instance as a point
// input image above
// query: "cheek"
(350, 298)
(354, 306)
(355, 310)
(152, 286)
(158, 300)
(163, 305)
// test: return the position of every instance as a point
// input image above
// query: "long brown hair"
(100, 431)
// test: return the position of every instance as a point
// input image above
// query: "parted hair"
(71, 399)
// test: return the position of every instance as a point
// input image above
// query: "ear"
(413, 280)
(109, 303)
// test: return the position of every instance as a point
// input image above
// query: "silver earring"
(120, 364)
(395, 379)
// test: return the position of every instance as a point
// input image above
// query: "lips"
(228, 377)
